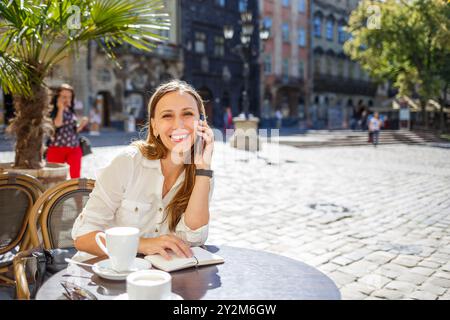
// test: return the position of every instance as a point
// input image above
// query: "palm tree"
(37, 34)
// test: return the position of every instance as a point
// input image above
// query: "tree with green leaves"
(405, 42)
(37, 34)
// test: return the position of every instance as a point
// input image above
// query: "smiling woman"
(154, 185)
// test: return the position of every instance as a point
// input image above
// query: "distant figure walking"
(227, 119)
(279, 117)
(95, 121)
(375, 125)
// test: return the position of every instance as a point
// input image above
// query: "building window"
(268, 64)
(242, 5)
(301, 6)
(330, 29)
(317, 26)
(285, 70)
(286, 3)
(267, 24)
(301, 70)
(164, 33)
(200, 42)
(301, 37)
(329, 66)
(317, 66)
(104, 75)
(219, 46)
(351, 71)
(285, 31)
(220, 3)
(341, 33)
(340, 68)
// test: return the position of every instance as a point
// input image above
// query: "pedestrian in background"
(279, 117)
(375, 125)
(227, 119)
(95, 120)
(64, 146)
(364, 116)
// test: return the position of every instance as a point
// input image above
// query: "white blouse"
(128, 193)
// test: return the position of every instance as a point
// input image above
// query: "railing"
(166, 51)
(288, 81)
(344, 85)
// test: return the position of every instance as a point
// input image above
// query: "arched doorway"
(207, 98)
(105, 103)
(226, 102)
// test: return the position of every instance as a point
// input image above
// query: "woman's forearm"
(88, 244)
(59, 118)
(197, 211)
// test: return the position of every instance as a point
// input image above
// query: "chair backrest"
(25, 267)
(18, 193)
(55, 212)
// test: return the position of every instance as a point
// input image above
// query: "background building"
(119, 92)
(285, 58)
(210, 63)
(340, 86)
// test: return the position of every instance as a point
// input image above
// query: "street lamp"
(244, 49)
(245, 136)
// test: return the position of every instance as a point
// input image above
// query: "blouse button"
(156, 230)
(160, 209)
(136, 209)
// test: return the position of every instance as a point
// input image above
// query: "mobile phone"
(199, 141)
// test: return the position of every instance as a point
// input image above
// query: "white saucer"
(103, 269)
(174, 296)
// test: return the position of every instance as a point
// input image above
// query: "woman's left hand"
(204, 161)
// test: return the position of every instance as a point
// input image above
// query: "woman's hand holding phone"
(204, 145)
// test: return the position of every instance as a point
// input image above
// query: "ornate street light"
(245, 136)
(228, 32)
(244, 49)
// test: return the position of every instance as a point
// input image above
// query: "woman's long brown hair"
(153, 149)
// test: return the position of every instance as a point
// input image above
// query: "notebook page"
(205, 257)
(175, 263)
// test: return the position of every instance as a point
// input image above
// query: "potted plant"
(37, 34)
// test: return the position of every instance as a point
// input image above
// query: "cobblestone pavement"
(375, 220)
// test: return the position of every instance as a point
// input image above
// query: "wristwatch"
(204, 172)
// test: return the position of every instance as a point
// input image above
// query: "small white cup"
(121, 246)
(149, 285)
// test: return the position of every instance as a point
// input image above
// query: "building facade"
(211, 63)
(285, 58)
(340, 87)
(119, 92)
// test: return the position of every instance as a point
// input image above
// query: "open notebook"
(200, 257)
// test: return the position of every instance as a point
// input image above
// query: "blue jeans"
(375, 136)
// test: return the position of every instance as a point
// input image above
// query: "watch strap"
(204, 172)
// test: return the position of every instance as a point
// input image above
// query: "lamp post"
(245, 127)
(245, 51)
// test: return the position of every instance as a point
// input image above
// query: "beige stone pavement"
(375, 220)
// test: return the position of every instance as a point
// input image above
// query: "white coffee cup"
(121, 246)
(149, 285)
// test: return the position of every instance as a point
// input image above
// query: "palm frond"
(39, 33)
(14, 75)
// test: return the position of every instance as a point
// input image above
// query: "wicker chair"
(54, 215)
(55, 212)
(28, 273)
(18, 193)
